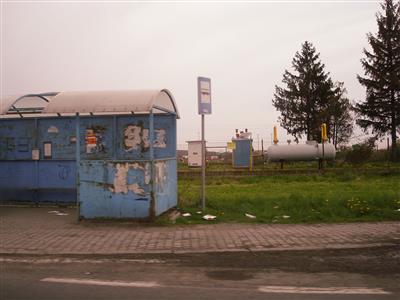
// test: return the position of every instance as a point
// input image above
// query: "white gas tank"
(301, 152)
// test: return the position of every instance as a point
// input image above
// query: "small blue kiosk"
(242, 154)
(111, 152)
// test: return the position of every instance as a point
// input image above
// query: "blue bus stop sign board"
(204, 95)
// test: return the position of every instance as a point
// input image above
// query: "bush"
(360, 153)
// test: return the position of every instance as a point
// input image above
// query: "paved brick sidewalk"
(36, 231)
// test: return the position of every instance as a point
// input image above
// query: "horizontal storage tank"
(303, 152)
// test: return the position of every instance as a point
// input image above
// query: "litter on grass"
(209, 217)
(58, 213)
(199, 212)
(285, 217)
(186, 215)
(250, 216)
(61, 214)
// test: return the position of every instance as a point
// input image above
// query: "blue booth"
(111, 152)
(242, 154)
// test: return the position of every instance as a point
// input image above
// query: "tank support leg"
(320, 164)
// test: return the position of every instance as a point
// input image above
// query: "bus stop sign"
(204, 95)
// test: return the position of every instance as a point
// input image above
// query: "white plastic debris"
(276, 206)
(250, 216)
(209, 217)
(186, 215)
(61, 214)
(285, 217)
(199, 212)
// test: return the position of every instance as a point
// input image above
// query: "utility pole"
(204, 105)
(262, 147)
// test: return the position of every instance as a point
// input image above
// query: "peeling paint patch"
(134, 187)
(147, 173)
(121, 185)
(120, 180)
(161, 175)
(135, 137)
(145, 138)
(52, 129)
(160, 140)
(132, 137)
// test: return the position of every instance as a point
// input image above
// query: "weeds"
(346, 197)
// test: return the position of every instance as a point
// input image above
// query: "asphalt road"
(370, 273)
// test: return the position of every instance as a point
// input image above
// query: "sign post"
(204, 105)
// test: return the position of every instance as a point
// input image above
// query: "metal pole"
(203, 165)
(262, 147)
(153, 205)
(36, 146)
(78, 161)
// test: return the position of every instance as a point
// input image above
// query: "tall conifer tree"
(309, 98)
(381, 108)
(339, 116)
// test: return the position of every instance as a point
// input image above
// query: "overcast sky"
(243, 47)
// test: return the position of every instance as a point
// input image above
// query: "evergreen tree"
(381, 108)
(340, 119)
(309, 98)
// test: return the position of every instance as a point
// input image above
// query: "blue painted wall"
(53, 179)
(115, 178)
(50, 179)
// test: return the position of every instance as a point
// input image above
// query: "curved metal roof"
(135, 101)
(30, 103)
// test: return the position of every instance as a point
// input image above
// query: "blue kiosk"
(242, 154)
(111, 152)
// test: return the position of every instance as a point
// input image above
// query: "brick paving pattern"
(35, 231)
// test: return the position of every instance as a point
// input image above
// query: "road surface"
(365, 273)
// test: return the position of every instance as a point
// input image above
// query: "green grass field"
(346, 197)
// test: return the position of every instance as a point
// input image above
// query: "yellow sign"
(231, 145)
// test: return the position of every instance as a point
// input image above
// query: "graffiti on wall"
(64, 171)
